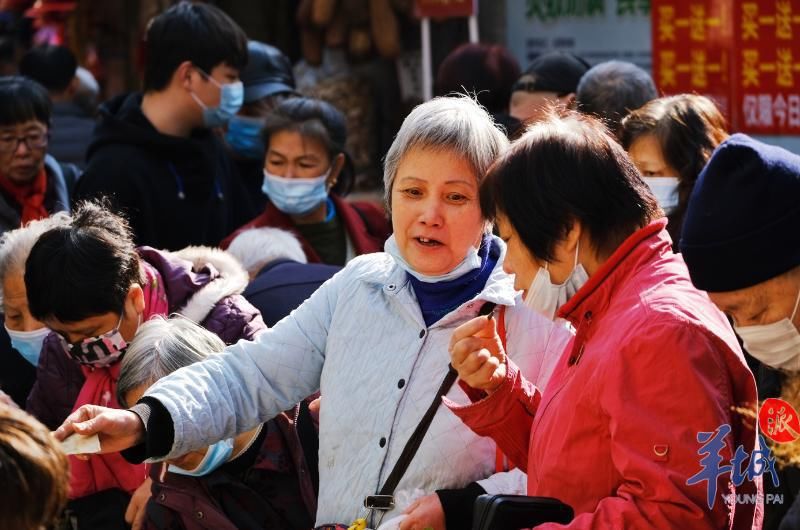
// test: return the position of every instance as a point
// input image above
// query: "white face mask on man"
(777, 344)
(545, 297)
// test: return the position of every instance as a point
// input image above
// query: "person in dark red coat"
(307, 172)
(254, 480)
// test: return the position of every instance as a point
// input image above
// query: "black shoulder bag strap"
(383, 500)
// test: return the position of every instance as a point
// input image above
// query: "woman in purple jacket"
(93, 288)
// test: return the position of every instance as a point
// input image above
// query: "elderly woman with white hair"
(373, 340)
(25, 332)
(263, 469)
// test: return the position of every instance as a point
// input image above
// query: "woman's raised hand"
(476, 353)
(117, 429)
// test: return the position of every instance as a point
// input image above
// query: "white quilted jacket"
(362, 341)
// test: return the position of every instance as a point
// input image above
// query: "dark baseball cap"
(557, 72)
(267, 72)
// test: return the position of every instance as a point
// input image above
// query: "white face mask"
(545, 297)
(776, 344)
(666, 191)
(470, 262)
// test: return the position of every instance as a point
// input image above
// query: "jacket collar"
(499, 289)
(356, 227)
(640, 247)
(56, 176)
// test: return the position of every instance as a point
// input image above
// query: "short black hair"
(318, 119)
(23, 99)
(199, 33)
(568, 168)
(612, 89)
(52, 66)
(84, 269)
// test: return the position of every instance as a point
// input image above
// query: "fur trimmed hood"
(230, 279)
(196, 278)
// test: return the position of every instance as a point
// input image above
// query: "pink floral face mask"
(98, 352)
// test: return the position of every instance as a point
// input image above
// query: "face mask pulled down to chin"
(546, 297)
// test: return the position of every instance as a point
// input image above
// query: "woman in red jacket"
(306, 175)
(618, 433)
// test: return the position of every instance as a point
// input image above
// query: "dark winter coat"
(283, 285)
(175, 191)
(266, 487)
(71, 130)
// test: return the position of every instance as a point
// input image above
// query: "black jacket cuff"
(459, 505)
(159, 431)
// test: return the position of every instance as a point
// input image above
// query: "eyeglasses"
(9, 143)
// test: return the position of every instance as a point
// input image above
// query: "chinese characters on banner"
(443, 8)
(692, 48)
(758, 46)
(767, 80)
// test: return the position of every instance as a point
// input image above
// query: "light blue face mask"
(470, 262)
(231, 97)
(666, 191)
(296, 196)
(28, 343)
(216, 455)
(244, 137)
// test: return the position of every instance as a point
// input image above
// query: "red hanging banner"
(766, 77)
(692, 49)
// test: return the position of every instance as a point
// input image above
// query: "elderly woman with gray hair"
(374, 340)
(256, 479)
(26, 334)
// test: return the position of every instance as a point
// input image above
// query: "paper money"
(79, 444)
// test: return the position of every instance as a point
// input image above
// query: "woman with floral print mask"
(90, 285)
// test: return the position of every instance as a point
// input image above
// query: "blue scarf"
(438, 299)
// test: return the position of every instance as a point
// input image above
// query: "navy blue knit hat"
(742, 225)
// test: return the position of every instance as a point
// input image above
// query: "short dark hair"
(688, 128)
(23, 99)
(199, 33)
(612, 89)
(487, 70)
(33, 470)
(52, 66)
(84, 269)
(568, 168)
(318, 119)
